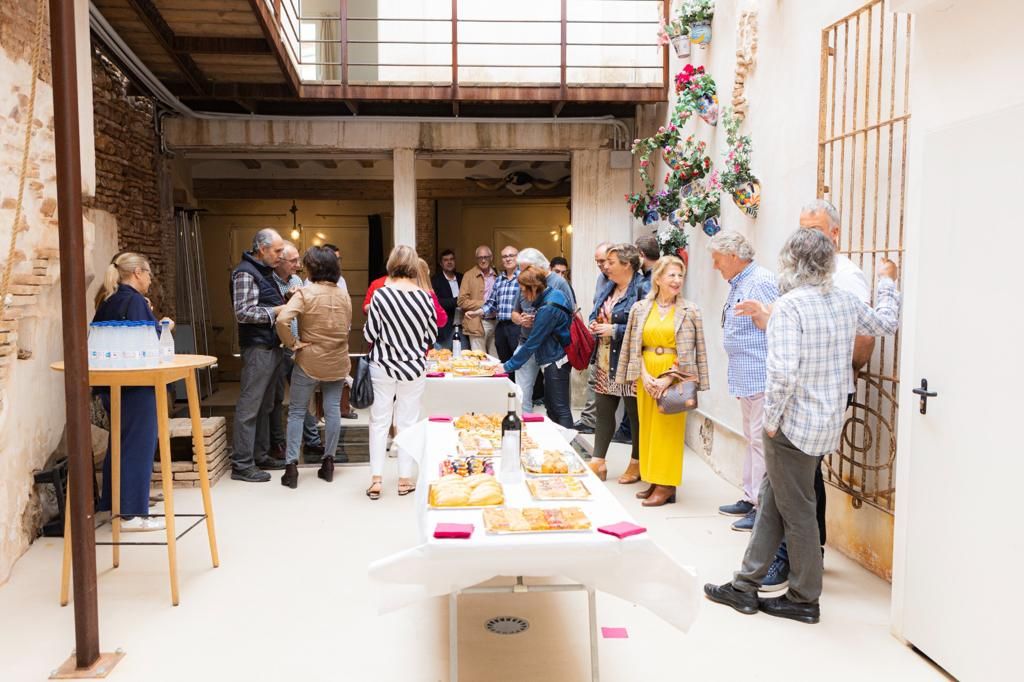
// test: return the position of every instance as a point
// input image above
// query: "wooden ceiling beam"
(536, 164)
(252, 164)
(235, 91)
(502, 165)
(469, 163)
(155, 24)
(367, 163)
(329, 163)
(438, 163)
(290, 163)
(220, 45)
(273, 36)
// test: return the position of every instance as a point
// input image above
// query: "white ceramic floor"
(290, 601)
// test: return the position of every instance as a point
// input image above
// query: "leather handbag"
(362, 386)
(681, 396)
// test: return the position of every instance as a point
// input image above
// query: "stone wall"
(129, 176)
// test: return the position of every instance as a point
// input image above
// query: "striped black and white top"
(401, 325)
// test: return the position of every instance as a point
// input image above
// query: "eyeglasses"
(506, 256)
(484, 257)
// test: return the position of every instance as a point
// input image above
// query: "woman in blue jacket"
(122, 298)
(608, 323)
(547, 340)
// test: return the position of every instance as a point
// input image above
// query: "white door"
(959, 542)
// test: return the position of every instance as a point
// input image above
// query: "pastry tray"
(587, 497)
(431, 505)
(572, 456)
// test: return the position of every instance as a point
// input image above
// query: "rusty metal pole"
(72, 295)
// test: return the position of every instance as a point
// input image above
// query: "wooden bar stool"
(183, 367)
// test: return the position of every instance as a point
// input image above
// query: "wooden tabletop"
(179, 363)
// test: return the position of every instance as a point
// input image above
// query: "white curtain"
(328, 53)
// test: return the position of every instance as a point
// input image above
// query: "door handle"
(925, 394)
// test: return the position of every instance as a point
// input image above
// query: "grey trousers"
(310, 432)
(303, 386)
(588, 417)
(260, 371)
(787, 508)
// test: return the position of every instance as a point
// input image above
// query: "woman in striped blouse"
(400, 325)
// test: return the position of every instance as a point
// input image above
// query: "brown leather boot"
(663, 494)
(326, 469)
(631, 474)
(290, 477)
(644, 494)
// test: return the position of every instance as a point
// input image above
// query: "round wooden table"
(183, 367)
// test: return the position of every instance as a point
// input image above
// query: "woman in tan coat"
(664, 331)
(324, 314)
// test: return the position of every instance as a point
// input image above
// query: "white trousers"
(392, 399)
(485, 343)
(753, 429)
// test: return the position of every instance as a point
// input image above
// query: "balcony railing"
(564, 44)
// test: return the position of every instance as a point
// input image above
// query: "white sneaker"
(142, 524)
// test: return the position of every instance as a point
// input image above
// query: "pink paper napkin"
(439, 418)
(453, 530)
(622, 529)
(500, 375)
(614, 633)
(532, 417)
(435, 375)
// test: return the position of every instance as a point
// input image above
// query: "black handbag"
(362, 386)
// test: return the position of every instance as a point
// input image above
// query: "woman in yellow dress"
(663, 329)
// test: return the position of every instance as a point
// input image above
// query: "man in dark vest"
(257, 300)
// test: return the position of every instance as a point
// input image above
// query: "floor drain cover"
(507, 625)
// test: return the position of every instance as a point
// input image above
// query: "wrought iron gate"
(862, 169)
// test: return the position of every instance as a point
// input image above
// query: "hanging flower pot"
(707, 108)
(700, 34)
(675, 218)
(711, 226)
(684, 255)
(651, 217)
(687, 189)
(747, 197)
(681, 43)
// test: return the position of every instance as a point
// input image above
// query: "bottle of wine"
(511, 443)
(457, 342)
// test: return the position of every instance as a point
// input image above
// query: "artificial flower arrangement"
(676, 32)
(696, 15)
(703, 205)
(672, 241)
(737, 179)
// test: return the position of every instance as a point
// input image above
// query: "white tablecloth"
(635, 568)
(454, 395)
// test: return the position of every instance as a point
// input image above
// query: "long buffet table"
(453, 394)
(634, 568)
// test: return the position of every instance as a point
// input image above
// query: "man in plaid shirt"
(502, 301)
(811, 336)
(747, 348)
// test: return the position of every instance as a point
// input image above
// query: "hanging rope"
(37, 50)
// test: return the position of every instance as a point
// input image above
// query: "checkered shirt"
(283, 287)
(246, 301)
(503, 296)
(810, 342)
(745, 344)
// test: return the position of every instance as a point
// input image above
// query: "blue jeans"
(558, 394)
(526, 377)
(298, 409)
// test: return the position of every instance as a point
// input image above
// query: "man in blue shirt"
(502, 301)
(747, 348)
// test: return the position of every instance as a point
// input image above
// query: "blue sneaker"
(740, 508)
(777, 578)
(746, 524)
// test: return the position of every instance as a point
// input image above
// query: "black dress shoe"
(313, 449)
(250, 475)
(326, 469)
(290, 477)
(744, 602)
(784, 608)
(580, 427)
(270, 463)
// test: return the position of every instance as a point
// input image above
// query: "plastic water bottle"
(93, 351)
(456, 343)
(166, 342)
(116, 346)
(132, 351)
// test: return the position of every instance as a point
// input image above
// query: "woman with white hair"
(810, 342)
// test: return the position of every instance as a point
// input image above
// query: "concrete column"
(404, 226)
(599, 213)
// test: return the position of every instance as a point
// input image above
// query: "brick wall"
(17, 32)
(426, 239)
(130, 172)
